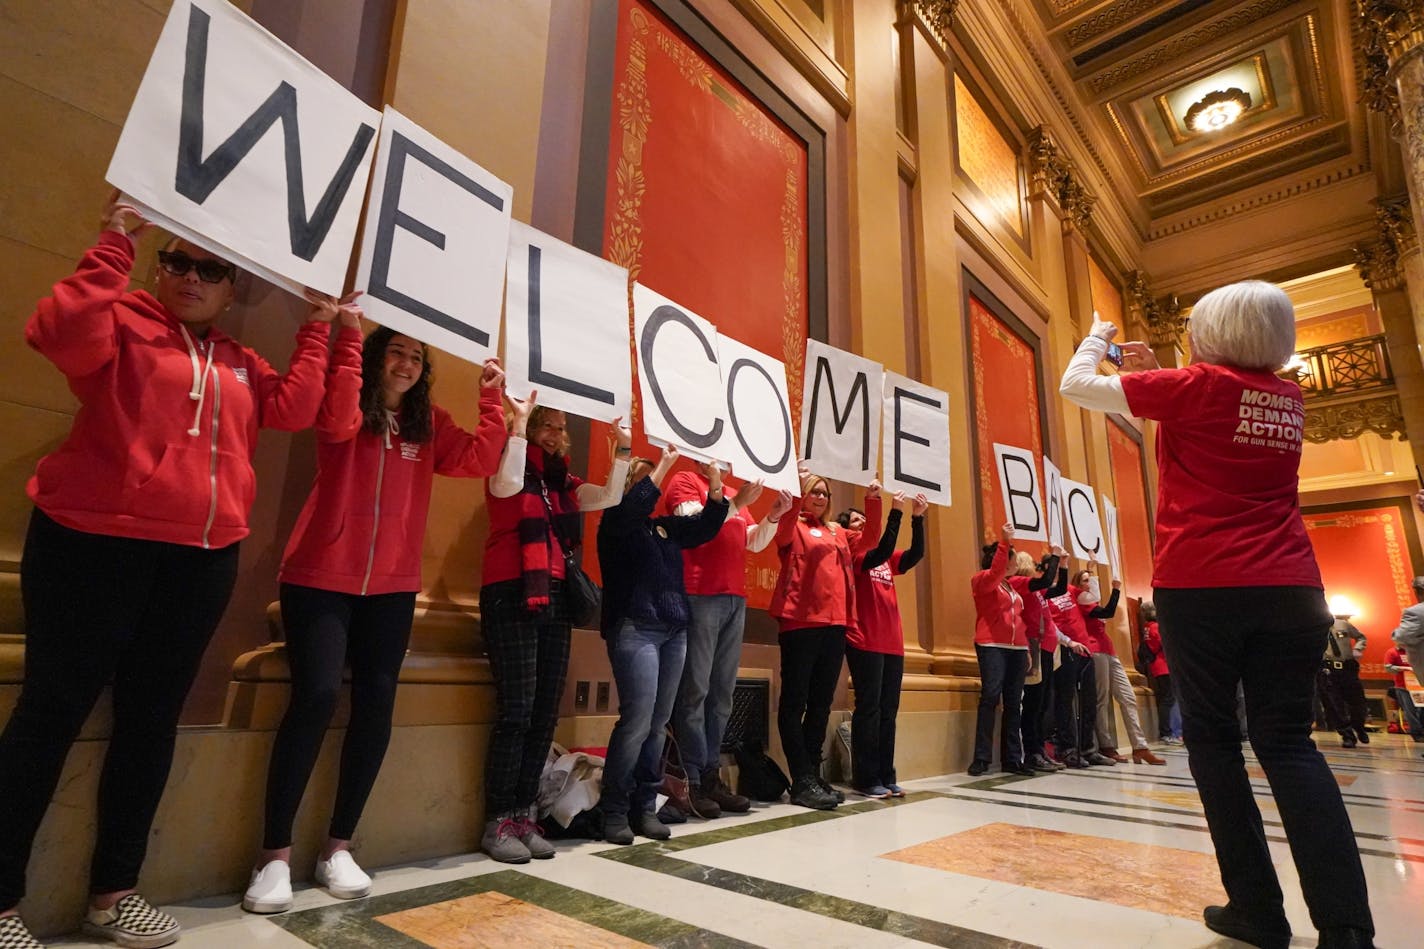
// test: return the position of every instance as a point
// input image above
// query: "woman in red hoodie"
(1001, 642)
(814, 602)
(349, 579)
(132, 548)
(536, 512)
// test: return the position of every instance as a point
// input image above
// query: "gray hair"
(1419, 585)
(1250, 324)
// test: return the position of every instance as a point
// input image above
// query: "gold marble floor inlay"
(1141, 876)
(495, 921)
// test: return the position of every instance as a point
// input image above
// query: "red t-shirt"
(877, 611)
(1394, 656)
(719, 566)
(1228, 451)
(1068, 618)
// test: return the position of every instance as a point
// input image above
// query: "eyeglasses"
(209, 270)
(818, 493)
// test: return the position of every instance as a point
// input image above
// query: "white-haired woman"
(1239, 600)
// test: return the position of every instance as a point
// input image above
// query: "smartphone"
(1114, 355)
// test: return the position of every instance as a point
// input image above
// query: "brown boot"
(1111, 752)
(715, 788)
(1145, 756)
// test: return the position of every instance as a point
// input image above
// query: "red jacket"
(129, 467)
(815, 586)
(1153, 638)
(998, 609)
(363, 526)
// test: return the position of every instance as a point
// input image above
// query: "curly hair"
(414, 417)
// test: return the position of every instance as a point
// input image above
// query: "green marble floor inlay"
(658, 857)
(353, 925)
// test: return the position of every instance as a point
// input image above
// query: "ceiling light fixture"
(1216, 110)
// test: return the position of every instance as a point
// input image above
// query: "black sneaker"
(1041, 763)
(1363, 735)
(670, 813)
(1020, 767)
(807, 793)
(832, 790)
(1229, 922)
(1347, 740)
(1074, 760)
(977, 767)
(1100, 760)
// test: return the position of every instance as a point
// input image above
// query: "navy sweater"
(641, 558)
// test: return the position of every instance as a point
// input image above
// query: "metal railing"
(1357, 365)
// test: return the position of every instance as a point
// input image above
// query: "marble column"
(1391, 48)
(1383, 267)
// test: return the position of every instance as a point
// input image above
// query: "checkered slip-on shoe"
(14, 934)
(133, 922)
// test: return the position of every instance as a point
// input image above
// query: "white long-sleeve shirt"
(1082, 385)
(509, 479)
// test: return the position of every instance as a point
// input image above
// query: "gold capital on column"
(1379, 261)
(1055, 178)
(1163, 317)
(938, 15)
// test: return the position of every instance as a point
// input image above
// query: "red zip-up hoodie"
(998, 608)
(363, 526)
(162, 445)
(815, 586)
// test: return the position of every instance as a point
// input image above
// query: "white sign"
(916, 437)
(1053, 494)
(840, 413)
(236, 143)
(762, 443)
(1018, 482)
(566, 327)
(1110, 530)
(1081, 514)
(434, 244)
(679, 379)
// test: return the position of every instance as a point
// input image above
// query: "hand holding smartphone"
(1114, 354)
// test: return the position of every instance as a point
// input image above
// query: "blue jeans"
(704, 699)
(647, 666)
(1001, 676)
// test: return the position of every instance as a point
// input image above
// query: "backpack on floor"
(758, 777)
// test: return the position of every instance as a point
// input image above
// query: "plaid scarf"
(537, 542)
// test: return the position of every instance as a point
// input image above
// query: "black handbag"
(758, 777)
(582, 597)
(1144, 658)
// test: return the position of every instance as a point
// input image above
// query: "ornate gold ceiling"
(1143, 63)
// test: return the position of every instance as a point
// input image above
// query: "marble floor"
(1104, 857)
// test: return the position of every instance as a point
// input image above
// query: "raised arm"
(598, 497)
(874, 513)
(1081, 383)
(73, 327)
(916, 551)
(339, 418)
(1107, 610)
(1050, 571)
(1059, 588)
(289, 401)
(881, 552)
(998, 568)
(462, 454)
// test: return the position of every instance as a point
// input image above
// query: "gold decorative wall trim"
(937, 15)
(1381, 415)
(1172, 226)
(1163, 317)
(1097, 25)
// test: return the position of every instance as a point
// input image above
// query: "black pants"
(1166, 701)
(100, 610)
(529, 659)
(1001, 678)
(1269, 640)
(876, 677)
(1037, 701)
(1075, 725)
(324, 631)
(1343, 696)
(810, 670)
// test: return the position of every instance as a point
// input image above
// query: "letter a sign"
(237, 143)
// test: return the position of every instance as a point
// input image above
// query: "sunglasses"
(209, 270)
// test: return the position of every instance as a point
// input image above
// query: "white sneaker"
(342, 878)
(270, 890)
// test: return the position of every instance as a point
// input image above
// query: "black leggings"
(810, 670)
(324, 630)
(101, 610)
